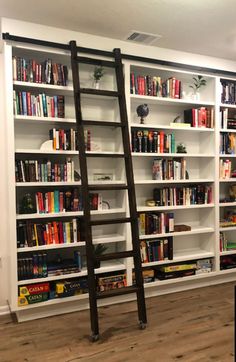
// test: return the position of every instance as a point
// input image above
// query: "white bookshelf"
(26, 134)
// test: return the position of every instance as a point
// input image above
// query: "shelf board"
(228, 252)
(226, 156)
(62, 152)
(150, 154)
(67, 183)
(228, 271)
(53, 302)
(229, 228)
(226, 130)
(50, 247)
(189, 181)
(170, 101)
(183, 255)
(194, 230)
(106, 267)
(33, 119)
(44, 184)
(103, 239)
(62, 89)
(154, 126)
(225, 204)
(225, 105)
(178, 207)
(69, 214)
(158, 283)
(228, 179)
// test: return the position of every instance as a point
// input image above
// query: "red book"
(177, 95)
(162, 136)
(56, 236)
(50, 234)
(28, 100)
(202, 117)
(61, 202)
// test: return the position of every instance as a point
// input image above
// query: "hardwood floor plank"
(191, 326)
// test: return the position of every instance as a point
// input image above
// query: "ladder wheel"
(142, 325)
(94, 337)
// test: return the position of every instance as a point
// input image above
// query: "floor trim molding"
(4, 309)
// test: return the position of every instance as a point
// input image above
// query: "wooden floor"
(192, 326)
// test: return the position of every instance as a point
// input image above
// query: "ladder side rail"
(85, 192)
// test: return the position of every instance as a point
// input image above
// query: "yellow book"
(36, 235)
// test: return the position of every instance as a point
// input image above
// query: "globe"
(142, 111)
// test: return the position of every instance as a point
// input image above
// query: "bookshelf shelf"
(189, 155)
(106, 267)
(170, 101)
(163, 182)
(158, 283)
(194, 230)
(181, 207)
(226, 130)
(182, 256)
(33, 119)
(43, 86)
(104, 239)
(172, 128)
(68, 214)
(28, 133)
(228, 252)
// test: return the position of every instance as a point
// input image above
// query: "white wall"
(37, 31)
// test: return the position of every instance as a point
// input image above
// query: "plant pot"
(96, 85)
(196, 96)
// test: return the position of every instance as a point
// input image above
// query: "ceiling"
(205, 27)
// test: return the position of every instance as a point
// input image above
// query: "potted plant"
(98, 73)
(98, 250)
(198, 82)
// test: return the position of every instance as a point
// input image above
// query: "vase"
(196, 96)
(96, 84)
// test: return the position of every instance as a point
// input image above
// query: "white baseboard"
(4, 310)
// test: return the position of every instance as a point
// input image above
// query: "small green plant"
(181, 148)
(198, 82)
(98, 73)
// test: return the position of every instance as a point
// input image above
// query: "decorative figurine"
(142, 111)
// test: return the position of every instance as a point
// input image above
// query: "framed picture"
(102, 176)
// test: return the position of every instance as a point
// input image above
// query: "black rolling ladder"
(86, 188)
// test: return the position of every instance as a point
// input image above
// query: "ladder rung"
(98, 92)
(117, 292)
(110, 221)
(108, 187)
(103, 123)
(118, 255)
(103, 63)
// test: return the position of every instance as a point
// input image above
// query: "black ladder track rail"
(88, 122)
(131, 190)
(85, 191)
(88, 223)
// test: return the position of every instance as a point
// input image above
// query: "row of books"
(30, 70)
(226, 244)
(45, 171)
(225, 169)
(58, 201)
(40, 105)
(202, 117)
(155, 86)
(190, 195)
(228, 92)
(67, 139)
(32, 267)
(39, 266)
(173, 169)
(228, 143)
(31, 234)
(228, 118)
(156, 250)
(152, 141)
(156, 223)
